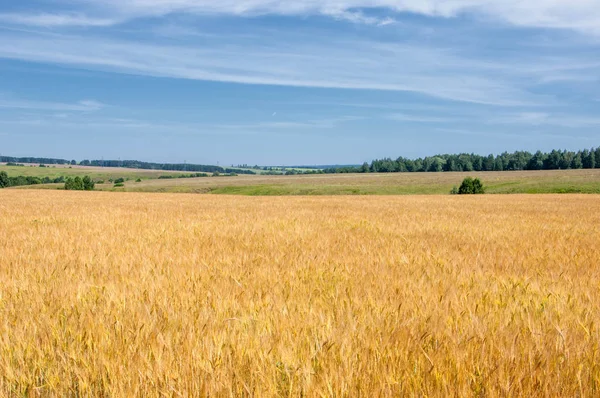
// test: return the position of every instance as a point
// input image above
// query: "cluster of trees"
(520, 160)
(6, 181)
(79, 184)
(469, 186)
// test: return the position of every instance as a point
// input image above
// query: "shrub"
(471, 186)
(4, 181)
(88, 184)
(74, 184)
(77, 183)
(138, 180)
(119, 185)
(119, 181)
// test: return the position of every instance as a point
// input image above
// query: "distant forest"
(128, 164)
(555, 160)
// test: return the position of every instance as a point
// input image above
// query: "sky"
(302, 82)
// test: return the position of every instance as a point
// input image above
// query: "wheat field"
(131, 294)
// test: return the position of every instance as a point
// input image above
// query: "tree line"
(128, 164)
(135, 164)
(7, 182)
(520, 160)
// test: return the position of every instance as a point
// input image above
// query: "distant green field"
(527, 182)
(530, 182)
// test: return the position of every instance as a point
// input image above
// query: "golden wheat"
(179, 295)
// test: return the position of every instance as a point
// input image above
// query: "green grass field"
(532, 182)
(529, 182)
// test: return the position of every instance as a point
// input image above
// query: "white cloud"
(580, 15)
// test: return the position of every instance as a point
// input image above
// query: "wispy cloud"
(328, 123)
(404, 117)
(56, 20)
(580, 15)
(328, 63)
(548, 119)
(81, 106)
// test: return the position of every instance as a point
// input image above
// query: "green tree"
(552, 161)
(436, 164)
(74, 184)
(471, 186)
(4, 180)
(536, 162)
(566, 161)
(88, 184)
(488, 163)
(498, 164)
(577, 162)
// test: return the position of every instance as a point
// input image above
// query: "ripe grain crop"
(129, 294)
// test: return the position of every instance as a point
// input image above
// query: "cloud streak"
(328, 63)
(579, 15)
(56, 20)
(81, 106)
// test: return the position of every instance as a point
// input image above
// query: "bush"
(88, 184)
(4, 181)
(138, 180)
(470, 186)
(74, 184)
(119, 185)
(119, 181)
(79, 184)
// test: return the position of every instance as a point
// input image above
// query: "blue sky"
(296, 82)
